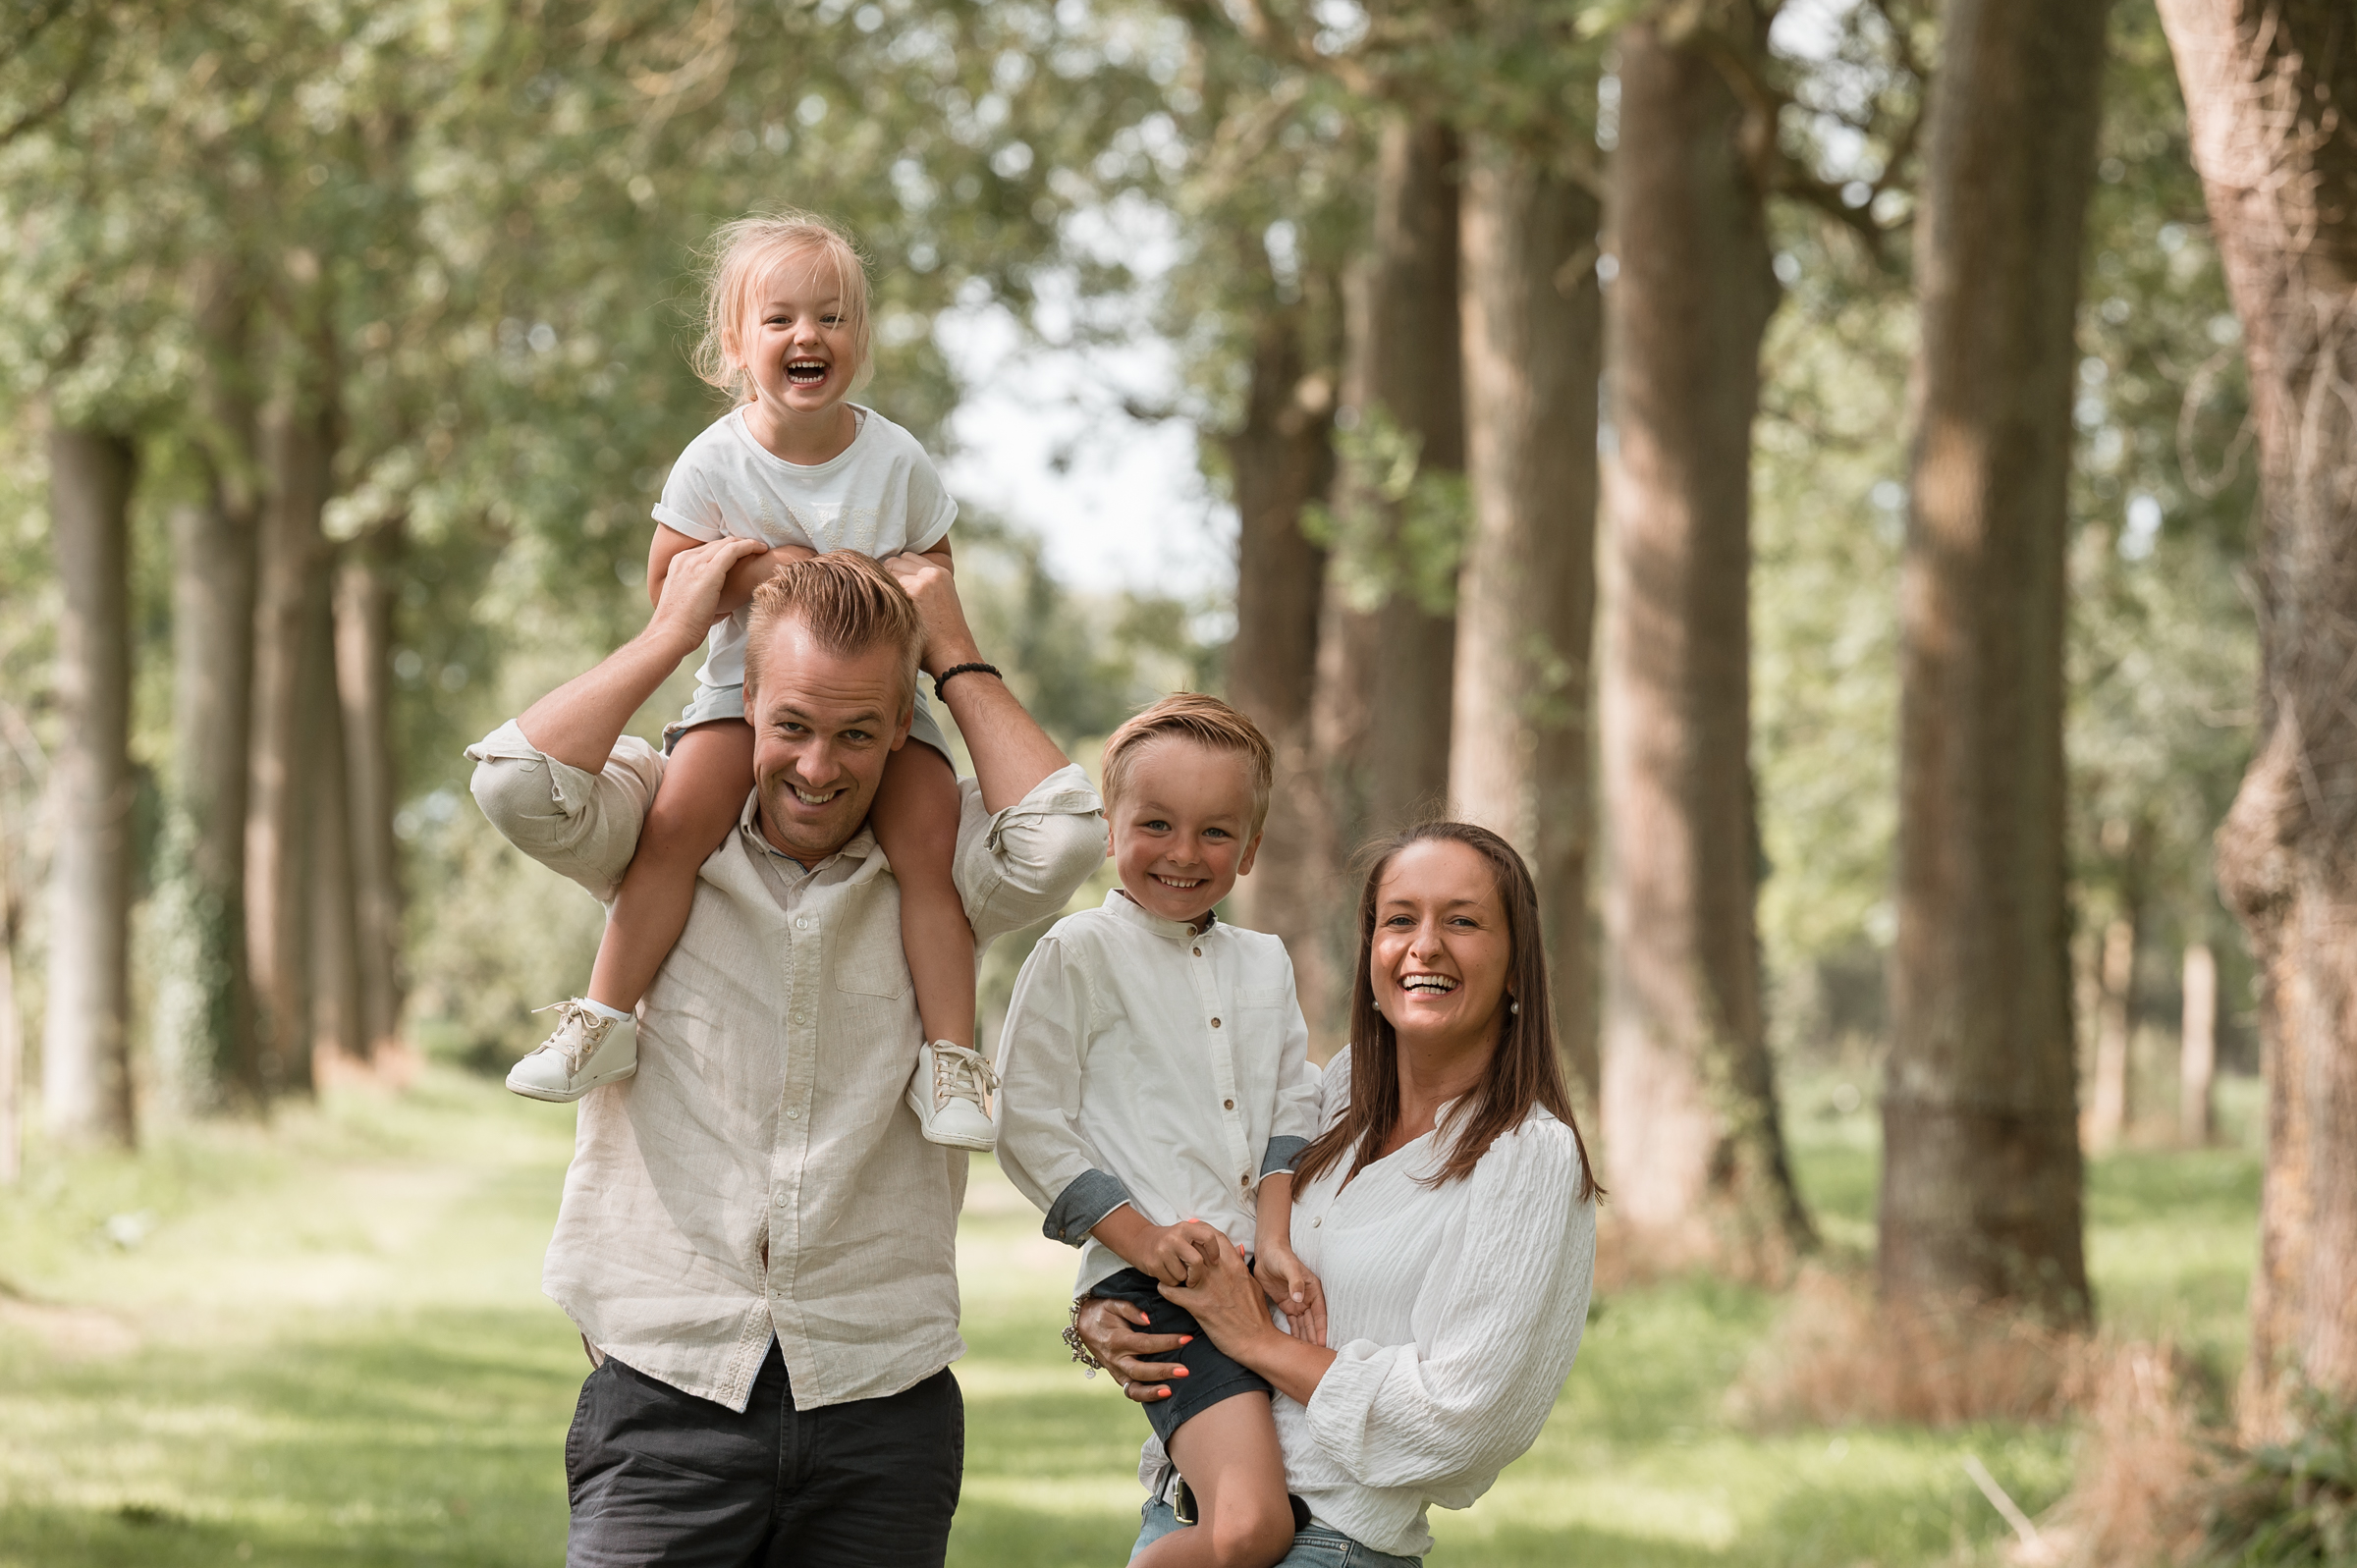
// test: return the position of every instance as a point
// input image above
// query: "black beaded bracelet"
(943, 680)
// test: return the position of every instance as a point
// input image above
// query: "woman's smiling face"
(1442, 949)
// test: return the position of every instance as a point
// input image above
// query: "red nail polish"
(1180, 1373)
(1186, 1340)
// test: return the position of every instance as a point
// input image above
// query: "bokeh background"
(1512, 405)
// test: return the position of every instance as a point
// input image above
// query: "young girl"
(798, 466)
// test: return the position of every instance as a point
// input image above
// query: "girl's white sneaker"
(587, 1050)
(949, 1094)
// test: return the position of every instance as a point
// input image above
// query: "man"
(755, 1240)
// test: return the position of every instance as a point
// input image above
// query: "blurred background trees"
(1553, 361)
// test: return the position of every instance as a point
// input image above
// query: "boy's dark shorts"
(1211, 1375)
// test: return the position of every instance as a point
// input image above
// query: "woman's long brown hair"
(1524, 1072)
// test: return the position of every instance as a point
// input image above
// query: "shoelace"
(578, 1032)
(962, 1074)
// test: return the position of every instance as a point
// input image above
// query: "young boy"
(1154, 1069)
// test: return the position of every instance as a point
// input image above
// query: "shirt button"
(1214, 1023)
(1198, 952)
(1227, 1104)
(802, 925)
(1315, 1223)
(793, 1116)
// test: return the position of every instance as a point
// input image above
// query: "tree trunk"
(363, 681)
(1533, 330)
(1981, 1195)
(337, 1026)
(2112, 1108)
(205, 1025)
(298, 449)
(86, 1065)
(205, 1031)
(1387, 650)
(2271, 91)
(1281, 460)
(1692, 1148)
(12, 1027)
(2197, 1046)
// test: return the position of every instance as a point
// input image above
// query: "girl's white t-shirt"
(879, 496)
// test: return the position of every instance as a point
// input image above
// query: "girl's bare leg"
(915, 818)
(1229, 1458)
(703, 790)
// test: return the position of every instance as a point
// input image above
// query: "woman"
(1446, 1205)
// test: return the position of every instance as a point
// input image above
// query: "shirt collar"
(748, 823)
(1128, 909)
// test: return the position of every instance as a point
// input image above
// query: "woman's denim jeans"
(1314, 1547)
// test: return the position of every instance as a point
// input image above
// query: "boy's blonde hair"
(742, 258)
(1207, 722)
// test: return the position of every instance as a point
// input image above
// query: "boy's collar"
(1119, 899)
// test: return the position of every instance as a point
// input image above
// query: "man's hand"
(578, 722)
(753, 570)
(1110, 1330)
(1296, 1292)
(692, 592)
(927, 582)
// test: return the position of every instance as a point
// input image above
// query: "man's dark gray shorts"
(657, 1476)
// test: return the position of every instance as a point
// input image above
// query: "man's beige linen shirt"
(762, 1174)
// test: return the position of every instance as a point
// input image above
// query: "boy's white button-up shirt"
(1147, 1062)
(761, 1176)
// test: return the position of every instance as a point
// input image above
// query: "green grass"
(324, 1342)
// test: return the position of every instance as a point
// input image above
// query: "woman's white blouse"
(1454, 1314)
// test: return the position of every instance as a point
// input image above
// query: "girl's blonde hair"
(742, 258)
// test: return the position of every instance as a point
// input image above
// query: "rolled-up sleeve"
(580, 825)
(1496, 1334)
(1042, 1053)
(1082, 1206)
(1018, 867)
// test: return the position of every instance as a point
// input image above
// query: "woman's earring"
(1512, 1007)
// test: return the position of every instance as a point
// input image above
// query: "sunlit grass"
(325, 1343)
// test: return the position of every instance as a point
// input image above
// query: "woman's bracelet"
(943, 680)
(1072, 1329)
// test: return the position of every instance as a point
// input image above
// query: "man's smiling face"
(823, 725)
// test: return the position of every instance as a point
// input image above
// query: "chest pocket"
(876, 973)
(864, 949)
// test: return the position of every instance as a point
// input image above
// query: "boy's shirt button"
(1214, 1023)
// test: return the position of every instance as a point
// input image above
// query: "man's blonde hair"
(848, 602)
(1207, 722)
(742, 258)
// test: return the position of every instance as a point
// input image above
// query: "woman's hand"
(1110, 1329)
(1296, 1292)
(1225, 1299)
(1228, 1304)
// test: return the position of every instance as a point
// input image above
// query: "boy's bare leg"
(915, 818)
(703, 790)
(1243, 1519)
